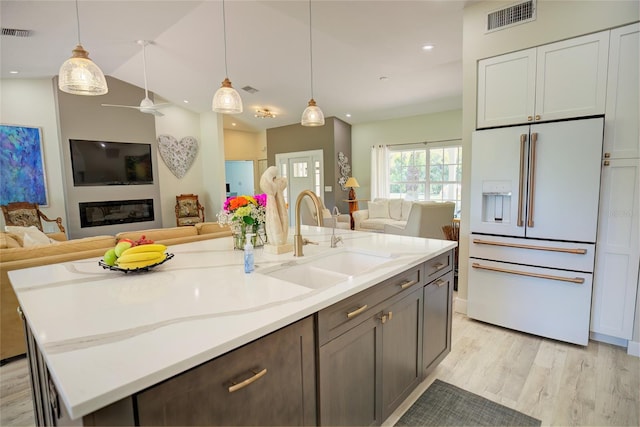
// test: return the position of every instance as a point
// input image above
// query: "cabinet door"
(438, 301)
(349, 376)
(571, 77)
(621, 134)
(401, 350)
(267, 382)
(617, 250)
(506, 89)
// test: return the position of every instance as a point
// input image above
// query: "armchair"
(426, 219)
(308, 215)
(25, 214)
(189, 211)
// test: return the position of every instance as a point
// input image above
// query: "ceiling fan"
(146, 105)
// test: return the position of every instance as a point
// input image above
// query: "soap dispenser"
(248, 254)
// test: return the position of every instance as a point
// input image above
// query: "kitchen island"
(101, 339)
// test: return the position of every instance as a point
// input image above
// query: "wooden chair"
(25, 214)
(189, 211)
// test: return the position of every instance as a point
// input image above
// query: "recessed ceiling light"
(186, 101)
(348, 114)
(427, 46)
(233, 124)
(13, 72)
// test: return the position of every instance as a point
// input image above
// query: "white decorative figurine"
(277, 217)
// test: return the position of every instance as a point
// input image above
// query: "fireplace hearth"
(95, 214)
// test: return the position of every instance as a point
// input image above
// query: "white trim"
(633, 348)
(595, 336)
(460, 305)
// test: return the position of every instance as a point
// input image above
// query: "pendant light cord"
(224, 32)
(310, 50)
(78, 22)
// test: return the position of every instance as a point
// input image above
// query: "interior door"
(301, 178)
(565, 181)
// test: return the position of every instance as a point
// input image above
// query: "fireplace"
(95, 214)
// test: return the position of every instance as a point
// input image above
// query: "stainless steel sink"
(326, 269)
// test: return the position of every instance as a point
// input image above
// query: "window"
(432, 172)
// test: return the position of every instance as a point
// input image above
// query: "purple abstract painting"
(22, 177)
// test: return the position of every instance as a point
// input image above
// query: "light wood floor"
(560, 384)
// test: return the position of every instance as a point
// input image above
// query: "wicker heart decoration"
(178, 156)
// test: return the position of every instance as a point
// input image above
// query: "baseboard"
(608, 339)
(633, 349)
(460, 305)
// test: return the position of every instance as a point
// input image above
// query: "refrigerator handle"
(532, 178)
(523, 141)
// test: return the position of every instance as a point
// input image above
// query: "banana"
(153, 247)
(137, 257)
(141, 264)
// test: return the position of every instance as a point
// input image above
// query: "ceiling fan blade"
(121, 106)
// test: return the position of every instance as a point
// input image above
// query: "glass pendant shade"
(79, 75)
(312, 115)
(227, 100)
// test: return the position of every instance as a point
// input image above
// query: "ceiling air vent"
(512, 15)
(250, 89)
(12, 32)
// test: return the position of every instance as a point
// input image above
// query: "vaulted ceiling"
(368, 59)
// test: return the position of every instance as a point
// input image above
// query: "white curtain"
(379, 171)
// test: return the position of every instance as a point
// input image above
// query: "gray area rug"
(443, 404)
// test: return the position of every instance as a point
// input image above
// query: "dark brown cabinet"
(371, 367)
(438, 307)
(270, 381)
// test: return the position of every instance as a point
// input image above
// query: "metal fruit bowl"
(102, 264)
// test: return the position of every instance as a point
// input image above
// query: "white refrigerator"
(534, 210)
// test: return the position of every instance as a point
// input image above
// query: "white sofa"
(397, 216)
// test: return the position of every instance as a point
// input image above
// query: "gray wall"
(83, 117)
(333, 137)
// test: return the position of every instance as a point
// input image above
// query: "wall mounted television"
(97, 163)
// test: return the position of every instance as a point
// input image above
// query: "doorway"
(304, 171)
(239, 177)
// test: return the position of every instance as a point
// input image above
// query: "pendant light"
(79, 75)
(226, 99)
(312, 115)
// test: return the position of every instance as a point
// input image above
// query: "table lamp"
(352, 183)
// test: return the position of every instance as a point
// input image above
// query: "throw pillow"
(379, 209)
(406, 209)
(8, 241)
(30, 236)
(395, 209)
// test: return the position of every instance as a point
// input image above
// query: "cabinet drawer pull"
(438, 266)
(578, 280)
(354, 313)
(256, 375)
(440, 283)
(408, 284)
(538, 248)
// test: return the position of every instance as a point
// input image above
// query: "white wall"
(406, 130)
(179, 123)
(31, 103)
(556, 20)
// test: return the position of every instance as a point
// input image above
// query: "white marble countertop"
(106, 335)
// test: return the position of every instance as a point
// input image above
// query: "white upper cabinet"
(622, 140)
(560, 80)
(506, 89)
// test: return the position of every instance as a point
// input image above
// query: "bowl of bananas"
(135, 256)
